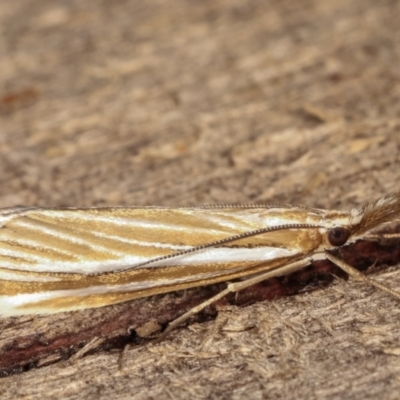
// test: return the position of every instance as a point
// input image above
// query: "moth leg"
(234, 288)
(354, 273)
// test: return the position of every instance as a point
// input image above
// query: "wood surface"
(178, 103)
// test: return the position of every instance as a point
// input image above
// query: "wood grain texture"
(180, 103)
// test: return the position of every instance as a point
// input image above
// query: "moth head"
(344, 228)
(337, 229)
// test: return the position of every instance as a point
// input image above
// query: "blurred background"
(188, 102)
(173, 103)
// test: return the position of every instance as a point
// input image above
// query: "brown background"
(191, 102)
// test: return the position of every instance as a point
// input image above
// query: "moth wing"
(54, 260)
(90, 241)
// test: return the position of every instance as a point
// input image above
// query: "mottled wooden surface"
(181, 103)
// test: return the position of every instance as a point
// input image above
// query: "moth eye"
(338, 236)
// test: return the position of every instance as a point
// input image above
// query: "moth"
(61, 259)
